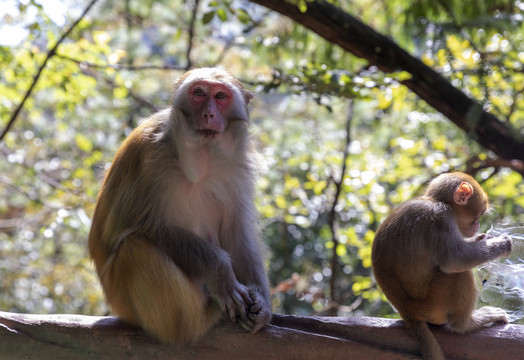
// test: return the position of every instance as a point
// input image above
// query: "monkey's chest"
(199, 208)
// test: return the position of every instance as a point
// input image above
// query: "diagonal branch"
(344, 30)
(50, 54)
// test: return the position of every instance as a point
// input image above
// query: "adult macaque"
(173, 237)
(422, 261)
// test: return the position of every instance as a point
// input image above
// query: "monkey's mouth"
(207, 133)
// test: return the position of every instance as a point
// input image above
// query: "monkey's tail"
(429, 347)
(144, 287)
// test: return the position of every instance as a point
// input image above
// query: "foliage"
(116, 66)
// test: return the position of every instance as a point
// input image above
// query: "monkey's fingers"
(256, 305)
(231, 313)
(241, 309)
(248, 325)
(261, 320)
(246, 296)
(252, 324)
(254, 310)
(234, 312)
(253, 317)
(259, 312)
(258, 326)
(236, 305)
(482, 236)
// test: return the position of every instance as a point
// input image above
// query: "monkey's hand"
(258, 313)
(503, 242)
(232, 296)
(237, 303)
(481, 237)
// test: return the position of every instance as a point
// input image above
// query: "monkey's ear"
(248, 95)
(463, 193)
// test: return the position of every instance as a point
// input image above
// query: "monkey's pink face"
(211, 103)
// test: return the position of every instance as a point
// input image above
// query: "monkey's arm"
(458, 255)
(254, 275)
(248, 264)
(207, 263)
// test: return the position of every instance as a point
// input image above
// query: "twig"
(191, 34)
(83, 63)
(50, 54)
(7, 183)
(52, 182)
(87, 66)
(332, 213)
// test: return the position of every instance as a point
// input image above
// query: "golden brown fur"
(173, 237)
(422, 261)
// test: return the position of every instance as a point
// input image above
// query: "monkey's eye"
(220, 95)
(199, 92)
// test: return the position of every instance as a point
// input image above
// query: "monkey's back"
(405, 249)
(122, 187)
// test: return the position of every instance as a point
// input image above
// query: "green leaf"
(222, 14)
(243, 16)
(206, 19)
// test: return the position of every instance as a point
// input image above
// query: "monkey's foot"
(490, 314)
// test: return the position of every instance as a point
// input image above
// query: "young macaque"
(423, 263)
(174, 237)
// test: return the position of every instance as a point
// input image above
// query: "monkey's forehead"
(207, 74)
(211, 75)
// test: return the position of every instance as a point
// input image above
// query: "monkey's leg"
(208, 265)
(146, 288)
(416, 314)
(462, 318)
(443, 297)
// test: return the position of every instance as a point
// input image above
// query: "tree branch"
(191, 32)
(77, 337)
(50, 54)
(342, 29)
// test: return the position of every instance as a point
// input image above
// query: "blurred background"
(342, 142)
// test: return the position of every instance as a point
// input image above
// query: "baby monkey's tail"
(429, 347)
